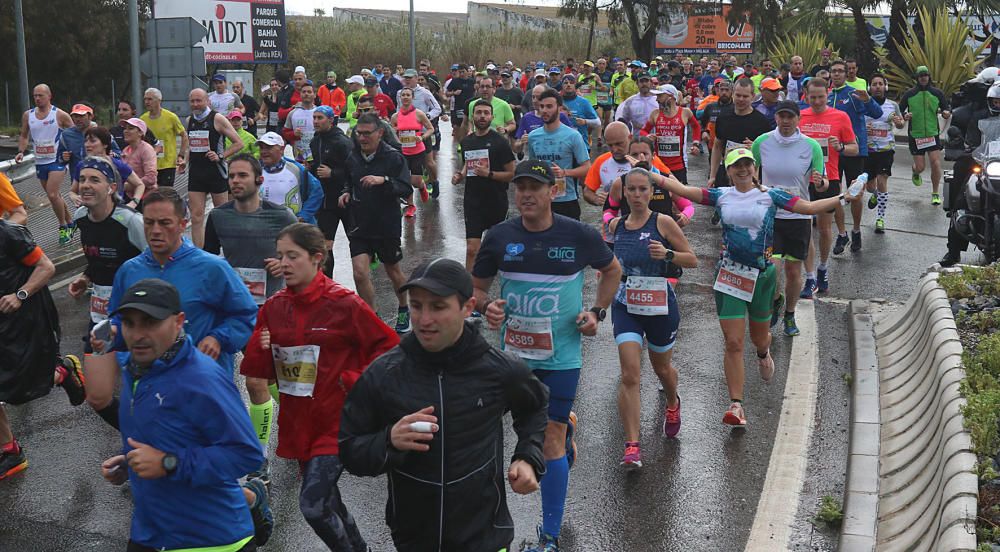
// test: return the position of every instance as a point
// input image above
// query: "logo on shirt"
(564, 254)
(643, 236)
(513, 252)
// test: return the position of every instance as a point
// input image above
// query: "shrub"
(807, 45)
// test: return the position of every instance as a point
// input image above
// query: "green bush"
(806, 45)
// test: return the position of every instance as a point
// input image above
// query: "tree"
(641, 18)
(319, 12)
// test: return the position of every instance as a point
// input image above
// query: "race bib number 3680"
(736, 280)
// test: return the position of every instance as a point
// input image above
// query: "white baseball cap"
(356, 79)
(666, 89)
(271, 139)
(299, 69)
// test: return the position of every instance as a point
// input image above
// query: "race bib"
(529, 338)
(199, 141)
(296, 369)
(824, 144)
(99, 303)
(646, 295)
(302, 150)
(879, 130)
(159, 149)
(668, 146)
(586, 89)
(256, 281)
(45, 149)
(476, 158)
(408, 138)
(603, 97)
(730, 145)
(736, 280)
(272, 118)
(924, 143)
(560, 186)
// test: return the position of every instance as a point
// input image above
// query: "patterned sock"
(883, 202)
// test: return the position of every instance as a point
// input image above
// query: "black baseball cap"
(371, 82)
(442, 277)
(535, 169)
(787, 105)
(152, 296)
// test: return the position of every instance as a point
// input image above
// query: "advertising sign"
(704, 29)
(239, 31)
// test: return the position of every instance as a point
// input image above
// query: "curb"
(925, 492)
(861, 498)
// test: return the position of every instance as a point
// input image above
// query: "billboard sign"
(704, 29)
(239, 31)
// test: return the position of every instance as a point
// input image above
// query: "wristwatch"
(600, 313)
(21, 294)
(170, 463)
(670, 255)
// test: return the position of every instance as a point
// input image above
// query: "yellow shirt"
(167, 127)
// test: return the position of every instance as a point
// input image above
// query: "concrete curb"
(927, 487)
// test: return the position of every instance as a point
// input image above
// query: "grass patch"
(830, 513)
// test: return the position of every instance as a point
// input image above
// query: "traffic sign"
(179, 32)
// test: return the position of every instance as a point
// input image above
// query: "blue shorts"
(562, 391)
(42, 171)
(660, 331)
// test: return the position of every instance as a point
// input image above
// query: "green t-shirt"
(858, 84)
(587, 87)
(502, 113)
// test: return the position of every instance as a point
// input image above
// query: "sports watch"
(170, 463)
(600, 313)
(21, 294)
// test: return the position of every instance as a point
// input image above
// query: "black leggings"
(323, 508)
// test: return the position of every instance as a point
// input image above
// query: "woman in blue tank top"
(646, 243)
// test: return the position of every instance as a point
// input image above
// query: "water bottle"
(857, 187)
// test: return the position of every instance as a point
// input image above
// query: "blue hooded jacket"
(842, 98)
(214, 299)
(186, 406)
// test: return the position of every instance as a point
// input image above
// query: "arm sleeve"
(233, 449)
(435, 110)
(315, 200)
(364, 435)
(683, 205)
(238, 310)
(695, 129)
(528, 399)
(211, 237)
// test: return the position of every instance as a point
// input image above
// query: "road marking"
(779, 499)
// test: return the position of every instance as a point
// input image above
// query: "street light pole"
(133, 39)
(22, 56)
(413, 40)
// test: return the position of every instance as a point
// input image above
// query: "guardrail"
(19, 171)
(927, 486)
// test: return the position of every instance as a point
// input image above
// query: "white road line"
(779, 499)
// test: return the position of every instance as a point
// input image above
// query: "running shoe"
(935, 199)
(434, 188)
(872, 201)
(672, 420)
(263, 473)
(917, 179)
(410, 211)
(766, 366)
(263, 519)
(735, 416)
(403, 321)
(842, 241)
(777, 308)
(546, 543)
(632, 459)
(72, 228)
(65, 235)
(12, 462)
(879, 226)
(73, 381)
(424, 196)
(570, 441)
(950, 259)
(808, 289)
(716, 217)
(855, 241)
(791, 330)
(822, 281)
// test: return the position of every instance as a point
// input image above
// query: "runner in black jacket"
(330, 149)
(447, 376)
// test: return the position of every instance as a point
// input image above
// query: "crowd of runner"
(173, 315)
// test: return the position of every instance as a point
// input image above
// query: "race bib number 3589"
(529, 338)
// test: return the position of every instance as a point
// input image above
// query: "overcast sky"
(307, 6)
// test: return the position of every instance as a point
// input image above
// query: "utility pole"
(22, 56)
(413, 40)
(133, 39)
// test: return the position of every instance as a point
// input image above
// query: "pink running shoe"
(672, 420)
(632, 460)
(735, 416)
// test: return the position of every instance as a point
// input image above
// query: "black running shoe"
(842, 241)
(11, 463)
(73, 383)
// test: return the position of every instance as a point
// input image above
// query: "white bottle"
(857, 187)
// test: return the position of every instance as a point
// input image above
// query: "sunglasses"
(365, 133)
(364, 109)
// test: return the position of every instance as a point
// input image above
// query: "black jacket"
(374, 210)
(331, 148)
(471, 386)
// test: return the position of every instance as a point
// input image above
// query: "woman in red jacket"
(315, 337)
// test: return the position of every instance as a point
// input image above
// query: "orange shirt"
(9, 200)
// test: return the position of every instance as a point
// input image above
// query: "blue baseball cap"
(454, 67)
(218, 77)
(326, 111)
(540, 65)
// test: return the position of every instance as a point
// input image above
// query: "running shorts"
(851, 168)
(759, 307)
(833, 190)
(210, 185)
(791, 239)
(166, 177)
(915, 151)
(660, 330)
(42, 171)
(480, 217)
(416, 163)
(562, 391)
(329, 220)
(569, 209)
(879, 162)
(388, 250)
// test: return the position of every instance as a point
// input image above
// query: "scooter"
(979, 221)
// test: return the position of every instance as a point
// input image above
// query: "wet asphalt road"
(698, 492)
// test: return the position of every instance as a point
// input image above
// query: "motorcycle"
(978, 220)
